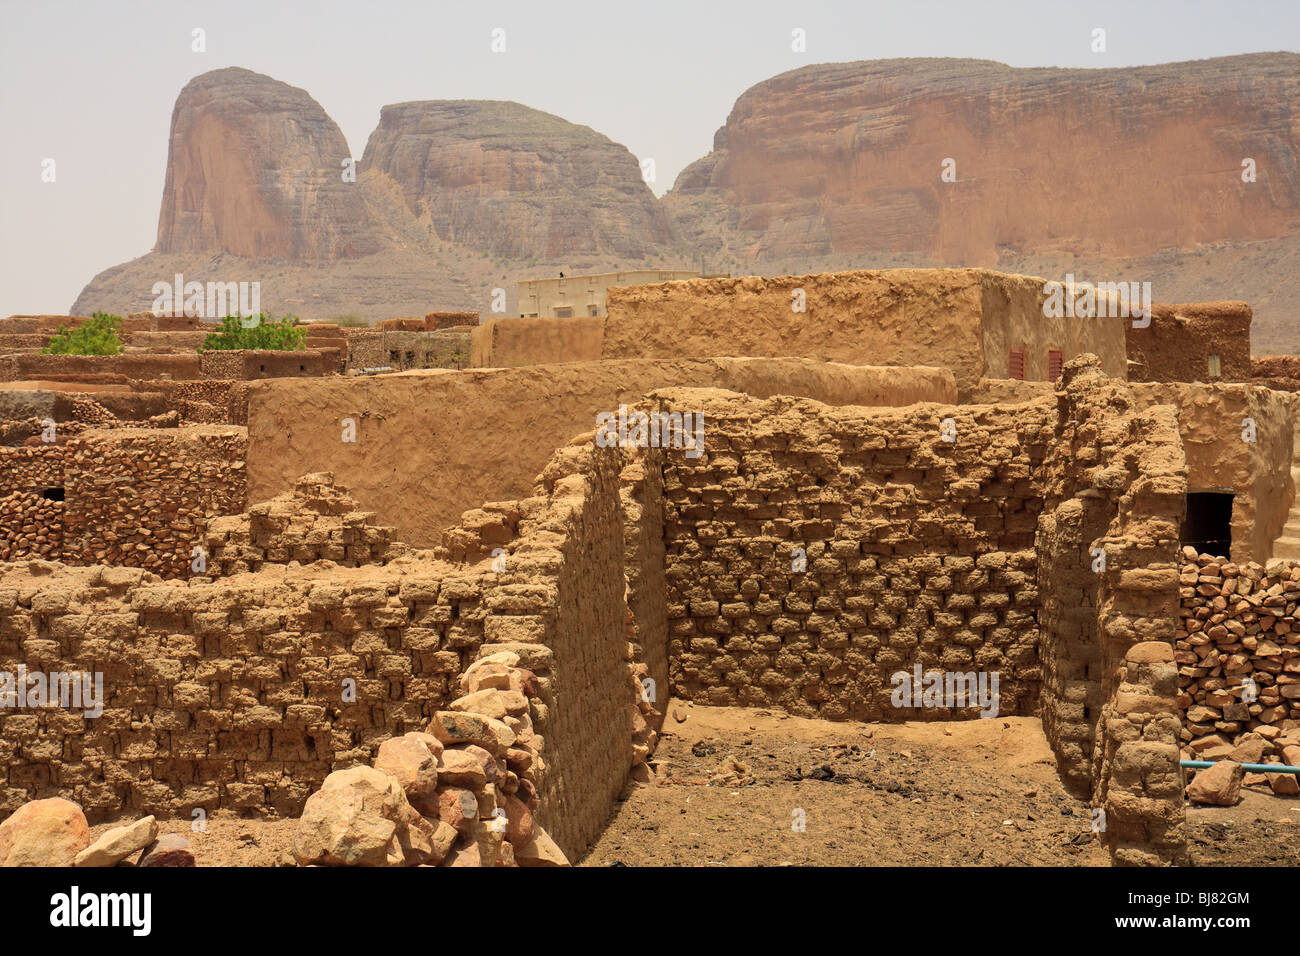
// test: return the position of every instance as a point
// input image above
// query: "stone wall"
(1238, 657)
(34, 366)
(1176, 346)
(250, 364)
(405, 350)
(135, 497)
(915, 551)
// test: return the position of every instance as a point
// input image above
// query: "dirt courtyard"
(968, 793)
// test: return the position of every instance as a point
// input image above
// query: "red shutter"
(1017, 364)
(1054, 362)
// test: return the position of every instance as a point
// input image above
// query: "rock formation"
(254, 169)
(516, 182)
(847, 158)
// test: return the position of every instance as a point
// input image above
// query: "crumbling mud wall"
(1217, 424)
(1114, 488)
(814, 552)
(244, 690)
(404, 350)
(483, 435)
(961, 319)
(510, 342)
(1177, 345)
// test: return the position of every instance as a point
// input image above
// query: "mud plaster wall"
(1014, 318)
(1176, 346)
(19, 367)
(510, 342)
(483, 435)
(252, 364)
(1259, 474)
(917, 550)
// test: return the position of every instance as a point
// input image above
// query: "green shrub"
(269, 334)
(98, 336)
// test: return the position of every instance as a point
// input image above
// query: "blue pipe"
(1252, 767)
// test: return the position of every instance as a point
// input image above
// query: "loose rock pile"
(461, 794)
(1238, 656)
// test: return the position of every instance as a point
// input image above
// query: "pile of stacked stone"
(315, 521)
(31, 526)
(463, 793)
(1238, 656)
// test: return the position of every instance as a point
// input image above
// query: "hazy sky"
(92, 84)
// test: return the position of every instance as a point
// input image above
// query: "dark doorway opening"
(1208, 525)
(52, 494)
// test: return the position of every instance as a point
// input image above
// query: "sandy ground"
(963, 793)
(732, 782)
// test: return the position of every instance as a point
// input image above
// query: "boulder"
(44, 833)
(409, 761)
(1218, 786)
(357, 818)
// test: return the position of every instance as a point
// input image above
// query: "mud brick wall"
(225, 693)
(142, 498)
(918, 550)
(1238, 626)
(558, 603)
(1140, 784)
(315, 521)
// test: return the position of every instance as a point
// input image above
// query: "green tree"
(265, 333)
(100, 335)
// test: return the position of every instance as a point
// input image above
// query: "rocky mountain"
(254, 169)
(452, 201)
(849, 157)
(516, 182)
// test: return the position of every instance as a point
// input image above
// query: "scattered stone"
(170, 849)
(118, 843)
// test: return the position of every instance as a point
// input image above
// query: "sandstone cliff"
(516, 182)
(846, 158)
(254, 169)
